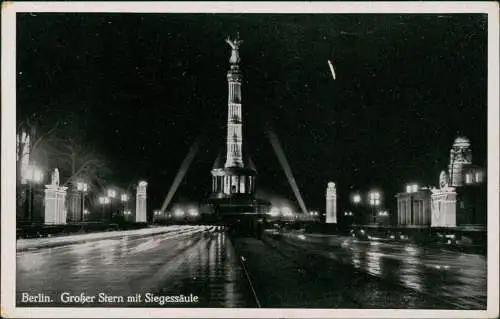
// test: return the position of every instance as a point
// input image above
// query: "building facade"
(469, 182)
(414, 207)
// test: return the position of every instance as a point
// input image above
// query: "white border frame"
(8, 219)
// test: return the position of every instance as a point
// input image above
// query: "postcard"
(250, 159)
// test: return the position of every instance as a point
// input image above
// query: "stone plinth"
(331, 204)
(444, 207)
(140, 206)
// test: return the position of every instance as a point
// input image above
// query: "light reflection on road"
(190, 260)
(455, 276)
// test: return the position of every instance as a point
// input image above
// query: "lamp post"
(374, 198)
(124, 200)
(127, 213)
(86, 213)
(33, 175)
(82, 187)
(111, 196)
(156, 215)
(356, 199)
(103, 200)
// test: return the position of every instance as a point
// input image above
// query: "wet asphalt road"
(452, 276)
(204, 262)
(191, 260)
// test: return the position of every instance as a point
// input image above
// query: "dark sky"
(144, 87)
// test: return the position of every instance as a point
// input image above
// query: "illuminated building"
(414, 207)
(331, 204)
(141, 204)
(461, 171)
(233, 183)
(469, 181)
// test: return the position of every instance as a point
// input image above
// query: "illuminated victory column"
(237, 176)
(234, 157)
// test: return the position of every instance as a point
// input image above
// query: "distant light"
(33, 174)
(356, 198)
(124, 197)
(86, 212)
(274, 212)
(412, 188)
(286, 211)
(178, 213)
(374, 198)
(81, 186)
(392, 236)
(111, 193)
(193, 212)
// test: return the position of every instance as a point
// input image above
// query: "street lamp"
(356, 199)
(374, 199)
(124, 200)
(193, 212)
(85, 213)
(127, 213)
(383, 213)
(111, 196)
(33, 175)
(157, 214)
(103, 200)
(83, 188)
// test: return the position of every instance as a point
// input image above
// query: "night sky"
(144, 87)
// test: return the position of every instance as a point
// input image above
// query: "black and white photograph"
(173, 160)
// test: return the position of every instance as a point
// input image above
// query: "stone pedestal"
(444, 207)
(140, 204)
(331, 204)
(55, 211)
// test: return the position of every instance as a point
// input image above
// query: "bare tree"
(60, 146)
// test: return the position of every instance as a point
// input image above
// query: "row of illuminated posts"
(32, 175)
(177, 214)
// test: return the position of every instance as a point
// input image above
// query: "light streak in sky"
(331, 68)
(273, 138)
(180, 174)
